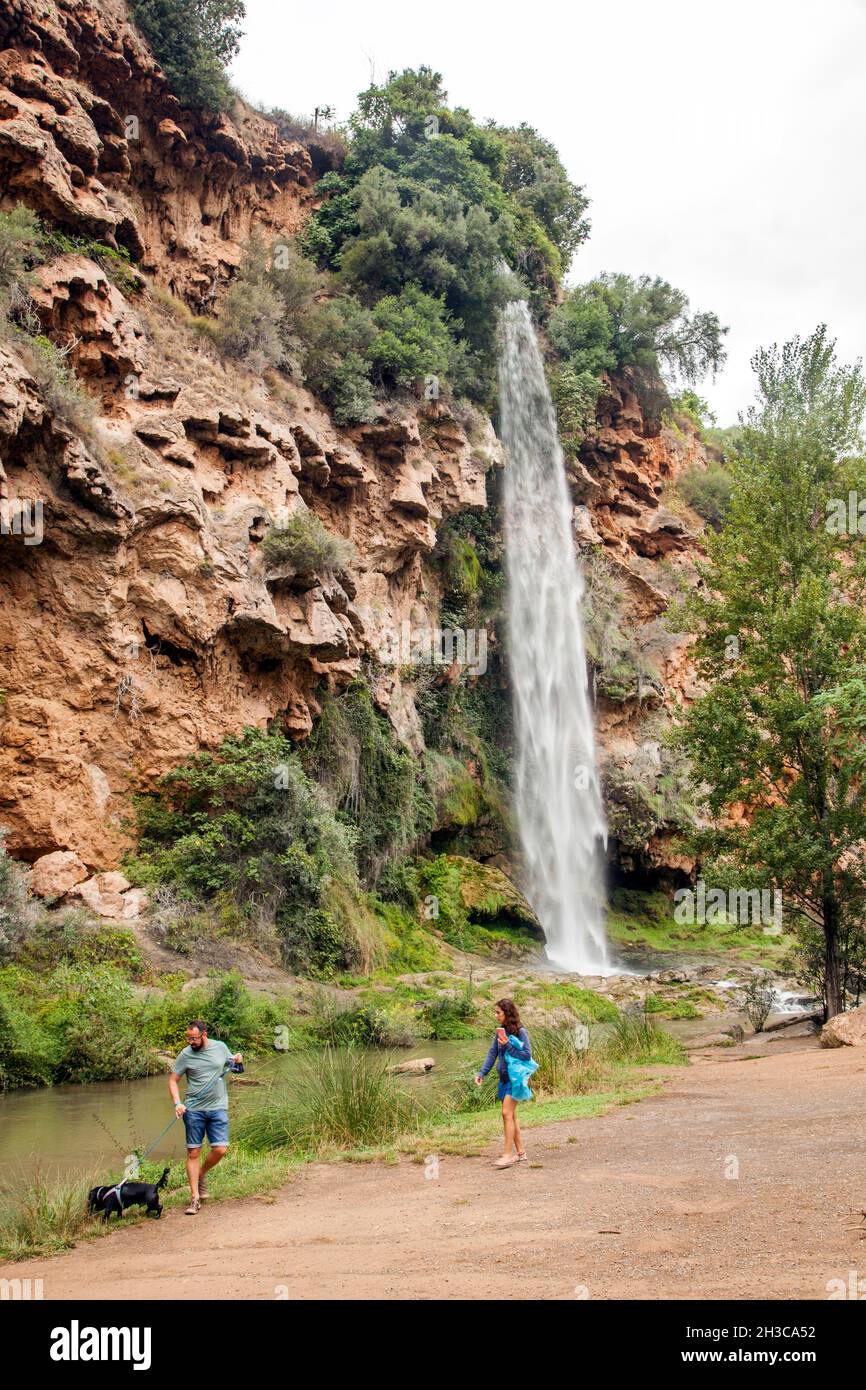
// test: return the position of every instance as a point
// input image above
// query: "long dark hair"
(512, 1022)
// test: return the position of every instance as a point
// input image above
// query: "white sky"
(722, 146)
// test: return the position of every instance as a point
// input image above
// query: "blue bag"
(519, 1072)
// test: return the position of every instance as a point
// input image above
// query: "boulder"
(846, 1030)
(53, 875)
(416, 1066)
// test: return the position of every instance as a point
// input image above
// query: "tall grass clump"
(44, 1215)
(637, 1040)
(346, 1100)
(565, 1066)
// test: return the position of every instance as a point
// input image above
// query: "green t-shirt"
(201, 1069)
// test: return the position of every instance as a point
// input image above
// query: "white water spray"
(557, 796)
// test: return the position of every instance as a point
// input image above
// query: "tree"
(781, 648)
(193, 40)
(617, 322)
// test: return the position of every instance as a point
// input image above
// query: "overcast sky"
(722, 146)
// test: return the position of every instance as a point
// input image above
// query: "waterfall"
(557, 796)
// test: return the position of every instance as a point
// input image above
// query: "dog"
(116, 1199)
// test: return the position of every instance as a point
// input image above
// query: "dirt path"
(631, 1205)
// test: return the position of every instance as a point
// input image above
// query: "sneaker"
(193, 1208)
(522, 1157)
(202, 1190)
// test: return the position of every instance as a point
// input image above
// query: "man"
(206, 1111)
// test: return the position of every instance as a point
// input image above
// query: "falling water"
(557, 796)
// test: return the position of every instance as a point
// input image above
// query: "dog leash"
(174, 1121)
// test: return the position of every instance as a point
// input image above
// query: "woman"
(509, 1025)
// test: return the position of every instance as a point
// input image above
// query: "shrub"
(708, 492)
(193, 40)
(305, 545)
(413, 339)
(57, 383)
(346, 1100)
(21, 244)
(15, 915)
(336, 359)
(449, 1015)
(370, 779)
(341, 1025)
(757, 999)
(250, 325)
(247, 824)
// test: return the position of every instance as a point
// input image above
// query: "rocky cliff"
(145, 624)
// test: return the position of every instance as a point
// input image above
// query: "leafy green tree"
(413, 339)
(193, 40)
(429, 200)
(617, 322)
(534, 173)
(781, 647)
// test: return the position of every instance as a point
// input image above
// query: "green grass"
(585, 1004)
(646, 919)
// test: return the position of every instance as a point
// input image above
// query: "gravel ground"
(634, 1204)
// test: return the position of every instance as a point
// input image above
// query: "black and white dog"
(128, 1194)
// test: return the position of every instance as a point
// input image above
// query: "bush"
(757, 999)
(15, 914)
(413, 339)
(246, 824)
(370, 779)
(449, 1015)
(250, 325)
(336, 359)
(56, 382)
(708, 492)
(193, 40)
(304, 545)
(21, 244)
(346, 1100)
(341, 1025)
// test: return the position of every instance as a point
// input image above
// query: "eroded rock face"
(145, 625)
(618, 483)
(91, 136)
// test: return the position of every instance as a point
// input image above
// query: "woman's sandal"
(522, 1156)
(506, 1162)
(193, 1208)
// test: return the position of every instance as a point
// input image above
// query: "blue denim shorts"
(213, 1123)
(503, 1090)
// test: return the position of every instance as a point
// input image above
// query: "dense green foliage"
(193, 40)
(641, 326)
(781, 628)
(247, 824)
(708, 492)
(425, 211)
(373, 783)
